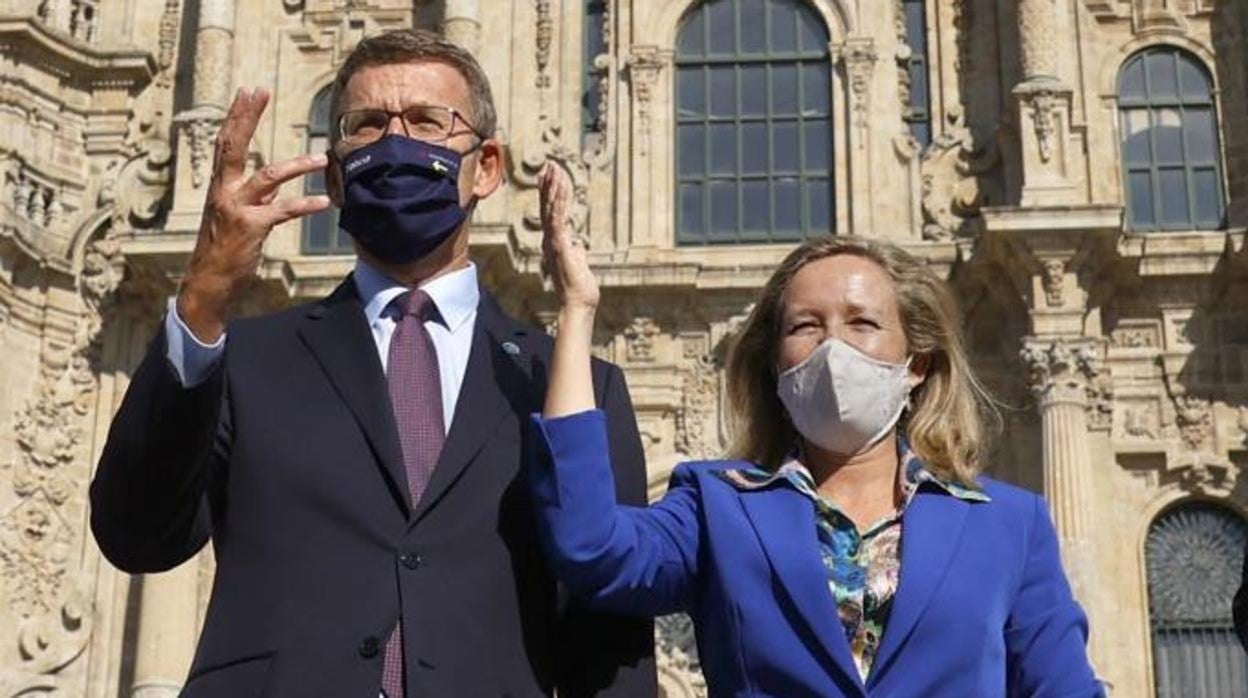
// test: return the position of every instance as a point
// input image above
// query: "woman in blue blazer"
(850, 548)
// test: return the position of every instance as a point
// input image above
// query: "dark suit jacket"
(1239, 606)
(288, 459)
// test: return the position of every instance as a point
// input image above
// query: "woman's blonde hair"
(944, 424)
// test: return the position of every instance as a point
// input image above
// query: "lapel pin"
(511, 348)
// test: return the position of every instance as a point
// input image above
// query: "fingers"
(264, 183)
(287, 209)
(234, 138)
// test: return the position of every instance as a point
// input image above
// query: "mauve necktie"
(416, 396)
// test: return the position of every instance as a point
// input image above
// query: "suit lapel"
(931, 530)
(784, 521)
(495, 386)
(337, 334)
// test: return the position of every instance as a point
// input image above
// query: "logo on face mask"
(401, 198)
(843, 400)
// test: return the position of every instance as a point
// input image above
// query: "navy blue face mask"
(401, 197)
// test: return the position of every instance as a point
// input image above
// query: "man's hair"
(409, 46)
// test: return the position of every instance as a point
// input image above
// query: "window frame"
(1152, 105)
(802, 58)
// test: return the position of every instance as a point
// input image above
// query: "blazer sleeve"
(150, 494)
(1046, 633)
(602, 653)
(636, 560)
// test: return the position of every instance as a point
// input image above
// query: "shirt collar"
(912, 475)
(455, 294)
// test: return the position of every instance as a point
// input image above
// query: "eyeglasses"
(423, 122)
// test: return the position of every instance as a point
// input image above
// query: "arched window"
(1171, 158)
(321, 234)
(753, 123)
(1194, 555)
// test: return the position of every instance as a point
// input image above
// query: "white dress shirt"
(456, 296)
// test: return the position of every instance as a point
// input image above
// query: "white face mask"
(843, 400)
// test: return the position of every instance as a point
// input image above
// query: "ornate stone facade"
(1121, 358)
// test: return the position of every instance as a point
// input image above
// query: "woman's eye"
(866, 322)
(799, 326)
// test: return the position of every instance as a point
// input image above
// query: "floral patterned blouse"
(863, 566)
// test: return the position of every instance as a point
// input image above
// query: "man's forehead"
(404, 84)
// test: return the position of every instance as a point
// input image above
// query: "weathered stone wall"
(1119, 358)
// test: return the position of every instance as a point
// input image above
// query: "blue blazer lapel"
(931, 529)
(784, 520)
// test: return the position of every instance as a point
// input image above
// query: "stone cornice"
(88, 66)
(1181, 253)
(688, 268)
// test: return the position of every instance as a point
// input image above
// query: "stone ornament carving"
(601, 65)
(38, 536)
(954, 186)
(903, 54)
(680, 671)
(1043, 104)
(644, 64)
(169, 21)
(697, 418)
(860, 58)
(545, 26)
(639, 340)
(1053, 278)
(1194, 418)
(1193, 556)
(200, 126)
(1068, 371)
(1135, 336)
(140, 192)
(572, 162)
(1142, 421)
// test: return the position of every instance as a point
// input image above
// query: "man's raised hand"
(239, 213)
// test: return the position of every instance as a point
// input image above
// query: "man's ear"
(489, 171)
(333, 178)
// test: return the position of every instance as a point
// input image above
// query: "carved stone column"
(165, 642)
(1063, 374)
(211, 95)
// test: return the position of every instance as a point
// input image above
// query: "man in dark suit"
(358, 462)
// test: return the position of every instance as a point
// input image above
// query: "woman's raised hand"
(565, 258)
(565, 255)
